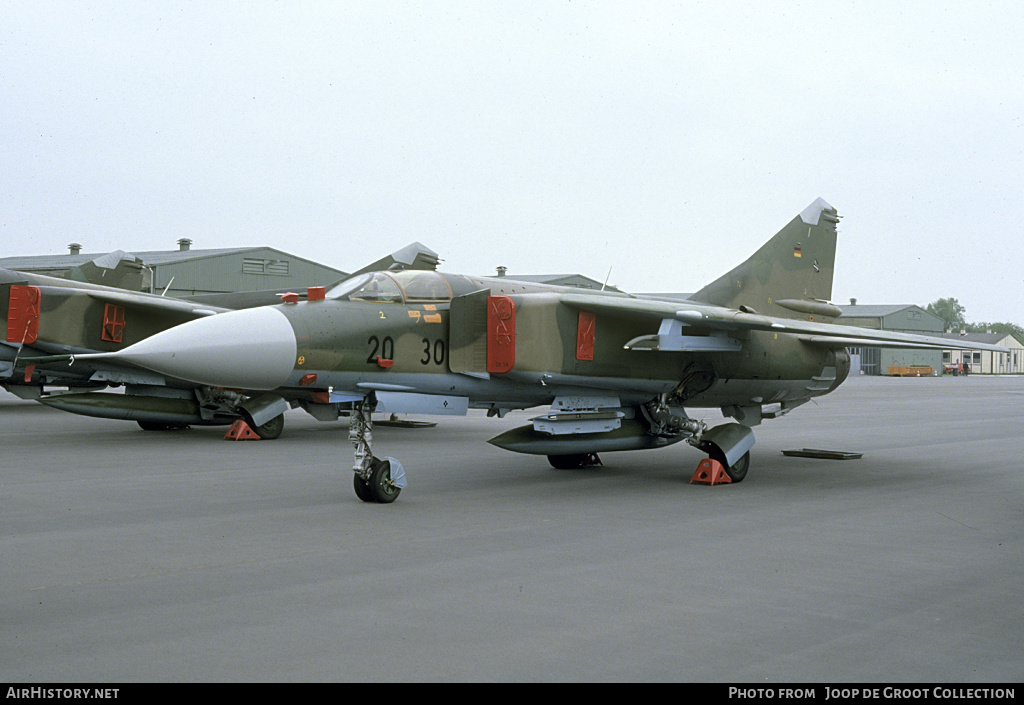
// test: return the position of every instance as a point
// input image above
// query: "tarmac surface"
(133, 556)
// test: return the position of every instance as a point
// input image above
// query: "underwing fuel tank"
(128, 407)
(631, 435)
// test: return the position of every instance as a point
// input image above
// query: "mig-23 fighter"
(618, 371)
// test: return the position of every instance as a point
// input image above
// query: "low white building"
(984, 361)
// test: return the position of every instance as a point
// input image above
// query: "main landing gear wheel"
(268, 431)
(379, 488)
(738, 470)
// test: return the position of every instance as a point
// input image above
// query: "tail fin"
(790, 276)
(116, 269)
(412, 256)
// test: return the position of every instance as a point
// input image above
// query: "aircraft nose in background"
(249, 349)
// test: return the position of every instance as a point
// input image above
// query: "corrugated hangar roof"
(872, 310)
(575, 280)
(990, 338)
(148, 256)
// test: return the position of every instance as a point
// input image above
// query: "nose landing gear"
(375, 480)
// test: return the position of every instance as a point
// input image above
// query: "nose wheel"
(375, 480)
(381, 487)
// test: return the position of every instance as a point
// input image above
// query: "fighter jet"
(618, 371)
(47, 322)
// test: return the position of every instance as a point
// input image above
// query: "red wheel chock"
(241, 431)
(710, 472)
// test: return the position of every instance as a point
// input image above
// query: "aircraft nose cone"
(249, 349)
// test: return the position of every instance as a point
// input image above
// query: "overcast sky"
(662, 141)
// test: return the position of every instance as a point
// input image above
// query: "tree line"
(953, 315)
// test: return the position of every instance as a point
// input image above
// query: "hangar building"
(575, 280)
(186, 272)
(903, 318)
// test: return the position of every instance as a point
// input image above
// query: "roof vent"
(501, 271)
(183, 244)
(74, 248)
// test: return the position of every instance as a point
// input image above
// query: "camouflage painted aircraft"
(97, 307)
(618, 371)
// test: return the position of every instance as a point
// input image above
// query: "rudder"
(790, 276)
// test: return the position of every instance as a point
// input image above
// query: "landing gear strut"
(375, 480)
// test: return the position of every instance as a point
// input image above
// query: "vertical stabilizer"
(790, 276)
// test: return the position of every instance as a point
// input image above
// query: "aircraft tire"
(738, 470)
(362, 488)
(270, 430)
(380, 486)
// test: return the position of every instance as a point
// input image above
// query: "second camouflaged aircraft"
(618, 371)
(98, 307)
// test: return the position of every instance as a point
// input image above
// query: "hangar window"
(253, 265)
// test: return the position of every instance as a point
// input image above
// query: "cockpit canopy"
(407, 286)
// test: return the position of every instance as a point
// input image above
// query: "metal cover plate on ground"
(405, 423)
(826, 454)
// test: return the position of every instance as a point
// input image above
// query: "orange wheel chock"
(241, 431)
(710, 472)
